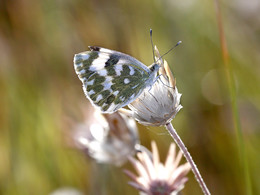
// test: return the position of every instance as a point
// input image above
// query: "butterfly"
(111, 79)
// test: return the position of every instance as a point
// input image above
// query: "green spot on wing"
(118, 100)
(125, 71)
(104, 108)
(105, 94)
(86, 75)
(108, 102)
(78, 59)
(127, 91)
(113, 59)
(98, 79)
(111, 71)
(97, 89)
(86, 63)
(110, 99)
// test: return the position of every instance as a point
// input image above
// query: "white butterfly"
(111, 79)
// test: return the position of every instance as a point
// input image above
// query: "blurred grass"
(233, 99)
(39, 88)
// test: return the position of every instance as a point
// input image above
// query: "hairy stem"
(188, 157)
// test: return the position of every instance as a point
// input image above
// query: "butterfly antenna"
(151, 36)
(179, 42)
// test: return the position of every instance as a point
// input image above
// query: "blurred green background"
(40, 90)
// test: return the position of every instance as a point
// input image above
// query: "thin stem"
(188, 157)
(232, 91)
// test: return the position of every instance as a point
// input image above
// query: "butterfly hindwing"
(110, 95)
(110, 79)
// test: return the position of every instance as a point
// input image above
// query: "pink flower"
(156, 178)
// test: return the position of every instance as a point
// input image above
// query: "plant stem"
(188, 157)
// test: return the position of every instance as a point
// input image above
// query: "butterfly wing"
(111, 79)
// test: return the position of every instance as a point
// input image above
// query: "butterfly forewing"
(110, 79)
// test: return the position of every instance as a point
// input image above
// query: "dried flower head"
(158, 105)
(156, 178)
(107, 138)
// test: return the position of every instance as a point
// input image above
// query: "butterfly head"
(154, 67)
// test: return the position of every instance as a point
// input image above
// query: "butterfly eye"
(155, 67)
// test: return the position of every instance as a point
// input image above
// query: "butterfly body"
(112, 79)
